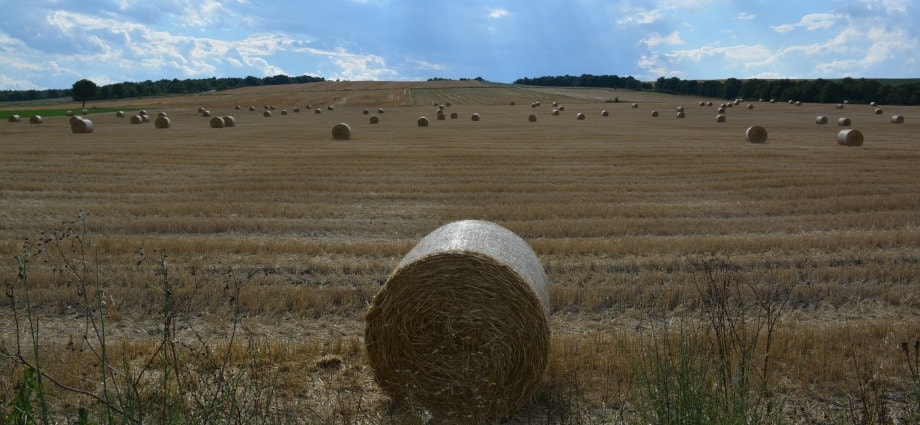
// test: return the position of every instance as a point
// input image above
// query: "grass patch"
(26, 113)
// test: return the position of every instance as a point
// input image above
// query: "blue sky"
(52, 43)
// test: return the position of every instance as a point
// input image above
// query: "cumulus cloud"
(810, 22)
(644, 17)
(656, 39)
(354, 66)
(744, 16)
(426, 66)
(498, 13)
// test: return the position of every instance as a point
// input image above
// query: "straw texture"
(850, 137)
(461, 326)
(755, 134)
(81, 125)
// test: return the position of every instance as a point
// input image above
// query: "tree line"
(158, 88)
(860, 90)
(586, 80)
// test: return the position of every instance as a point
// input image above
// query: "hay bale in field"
(265, 107)
(512, 103)
(423, 121)
(36, 119)
(14, 118)
(252, 109)
(441, 116)
(681, 114)
(709, 103)
(161, 114)
(635, 105)
(136, 119)
(81, 125)
(267, 113)
(850, 137)
(873, 104)
(555, 112)
(750, 106)
(878, 111)
(440, 107)
(374, 119)
(772, 100)
(798, 103)
(120, 114)
(68, 113)
(296, 110)
(755, 134)
(74, 118)
(318, 111)
(284, 112)
(229, 121)
(85, 112)
(654, 114)
(897, 119)
(702, 103)
(537, 104)
(532, 118)
(341, 131)
(839, 106)
(447, 104)
(580, 116)
(562, 109)
(737, 101)
(308, 107)
(475, 116)
(791, 102)
(366, 112)
(237, 107)
(555, 104)
(217, 122)
(330, 107)
(379, 110)
(721, 110)
(820, 119)
(720, 118)
(142, 112)
(461, 325)
(162, 122)
(454, 115)
(206, 114)
(604, 113)
(844, 121)
(145, 118)
(201, 110)
(680, 109)
(846, 102)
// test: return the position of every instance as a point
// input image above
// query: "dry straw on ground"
(461, 326)
(755, 134)
(341, 131)
(162, 122)
(81, 125)
(850, 137)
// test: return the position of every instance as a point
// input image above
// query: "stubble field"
(272, 238)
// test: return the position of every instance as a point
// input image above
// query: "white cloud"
(644, 17)
(427, 66)
(810, 22)
(356, 67)
(498, 13)
(744, 16)
(655, 39)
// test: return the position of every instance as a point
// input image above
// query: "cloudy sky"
(52, 43)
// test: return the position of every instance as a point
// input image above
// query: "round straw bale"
(201, 110)
(750, 106)
(604, 113)
(237, 107)
(846, 102)
(330, 107)
(655, 114)
(308, 107)
(461, 324)
(265, 107)
(267, 113)
(36, 119)
(702, 103)
(14, 118)
(579, 116)
(68, 113)
(555, 112)
(161, 114)
(562, 109)
(873, 104)
(798, 103)
(440, 107)
(284, 112)
(709, 103)
(441, 116)
(252, 109)
(681, 114)
(379, 110)
(447, 104)
(341, 131)
(755, 134)
(721, 110)
(475, 116)
(296, 110)
(843, 121)
(229, 121)
(206, 114)
(162, 122)
(217, 122)
(74, 118)
(145, 118)
(555, 104)
(318, 111)
(878, 111)
(142, 112)
(897, 119)
(454, 115)
(136, 119)
(791, 102)
(512, 103)
(820, 119)
(536, 104)
(120, 114)
(374, 119)
(635, 105)
(366, 112)
(680, 109)
(729, 105)
(720, 118)
(533, 105)
(532, 118)
(737, 101)
(772, 100)
(839, 106)
(81, 125)
(423, 121)
(85, 111)
(850, 137)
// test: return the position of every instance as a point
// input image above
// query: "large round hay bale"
(720, 118)
(755, 134)
(873, 104)
(562, 109)
(604, 113)
(454, 115)
(680, 109)
(897, 119)
(879, 111)
(296, 110)
(14, 118)
(84, 112)
(681, 114)
(555, 112)
(237, 107)
(162, 122)
(81, 125)
(206, 114)
(284, 112)
(36, 119)
(68, 113)
(798, 103)
(709, 103)
(635, 105)
(252, 109)
(654, 114)
(475, 116)
(721, 110)
(379, 110)
(844, 121)
(750, 106)
(267, 113)
(440, 114)
(366, 112)
(850, 137)
(318, 111)
(229, 121)
(423, 121)
(74, 118)
(461, 326)
(580, 116)
(532, 118)
(702, 103)
(330, 107)
(341, 131)
(839, 106)
(201, 109)
(217, 122)
(136, 119)
(120, 114)
(142, 112)
(374, 119)
(820, 119)
(145, 118)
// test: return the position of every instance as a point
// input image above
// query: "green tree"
(84, 90)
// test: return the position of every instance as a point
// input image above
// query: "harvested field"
(275, 237)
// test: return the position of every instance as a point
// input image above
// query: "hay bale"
(330, 107)
(318, 111)
(604, 113)
(308, 107)
(843, 121)
(68, 113)
(206, 114)
(737, 101)
(555, 112)
(74, 118)
(654, 114)
(267, 113)
(374, 119)
(296, 110)
(635, 105)
(379, 110)
(532, 118)
(265, 107)
(161, 114)
(137, 119)
(162, 122)
(341, 131)
(423, 121)
(441, 116)
(772, 100)
(681, 114)
(475, 116)
(461, 325)
(447, 104)
(798, 103)
(366, 112)
(850, 137)
(555, 104)
(217, 122)
(252, 109)
(120, 114)
(237, 107)
(878, 111)
(839, 106)
(709, 103)
(284, 112)
(537, 104)
(873, 104)
(454, 115)
(201, 110)
(721, 110)
(680, 109)
(145, 118)
(897, 119)
(702, 103)
(750, 106)
(81, 125)
(14, 118)
(755, 134)
(229, 121)
(579, 116)
(820, 119)
(36, 119)
(720, 118)
(512, 103)
(562, 109)
(142, 112)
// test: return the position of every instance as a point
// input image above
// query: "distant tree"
(84, 90)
